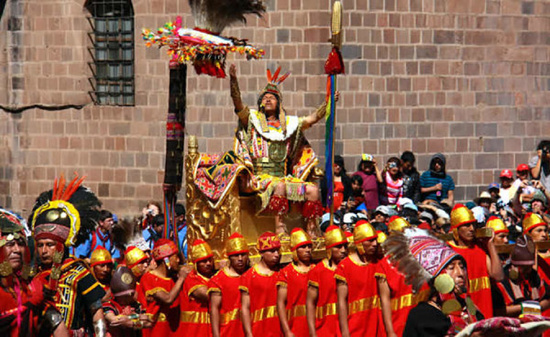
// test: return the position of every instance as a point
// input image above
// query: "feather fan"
(215, 15)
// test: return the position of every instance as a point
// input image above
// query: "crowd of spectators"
(376, 193)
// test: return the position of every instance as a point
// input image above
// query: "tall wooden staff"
(175, 137)
(333, 66)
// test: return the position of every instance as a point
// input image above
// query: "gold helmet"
(531, 221)
(132, 257)
(398, 224)
(236, 244)
(497, 225)
(298, 238)
(201, 251)
(100, 256)
(460, 216)
(363, 231)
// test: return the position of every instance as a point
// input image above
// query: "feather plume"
(283, 78)
(396, 247)
(269, 77)
(215, 15)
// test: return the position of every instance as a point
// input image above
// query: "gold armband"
(321, 111)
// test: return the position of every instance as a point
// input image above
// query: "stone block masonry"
(468, 78)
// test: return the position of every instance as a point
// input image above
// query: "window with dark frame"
(112, 52)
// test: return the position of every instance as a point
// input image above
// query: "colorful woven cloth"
(527, 326)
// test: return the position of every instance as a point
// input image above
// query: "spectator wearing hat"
(427, 217)
(539, 205)
(523, 282)
(494, 190)
(342, 184)
(484, 200)
(381, 214)
(411, 177)
(370, 173)
(523, 184)
(348, 222)
(435, 184)
(506, 192)
(540, 164)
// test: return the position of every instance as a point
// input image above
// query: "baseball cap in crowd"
(522, 167)
(470, 204)
(349, 218)
(325, 221)
(506, 173)
(384, 210)
(493, 185)
(426, 215)
(403, 201)
(411, 206)
(367, 157)
(361, 215)
(540, 197)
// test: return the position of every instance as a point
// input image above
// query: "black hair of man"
(104, 215)
(408, 157)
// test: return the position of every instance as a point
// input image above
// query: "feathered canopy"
(215, 15)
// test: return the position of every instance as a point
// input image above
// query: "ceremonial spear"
(333, 66)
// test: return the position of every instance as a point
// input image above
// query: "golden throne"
(235, 213)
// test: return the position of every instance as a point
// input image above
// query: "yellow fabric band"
(195, 317)
(364, 304)
(264, 313)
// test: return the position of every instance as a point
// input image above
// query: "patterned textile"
(527, 326)
(431, 253)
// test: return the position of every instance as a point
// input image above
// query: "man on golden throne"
(276, 158)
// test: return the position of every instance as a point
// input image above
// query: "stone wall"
(469, 78)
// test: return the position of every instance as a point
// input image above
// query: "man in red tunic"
(292, 285)
(322, 317)
(358, 302)
(396, 297)
(101, 263)
(22, 302)
(223, 289)
(481, 263)
(138, 262)
(194, 317)
(259, 290)
(161, 292)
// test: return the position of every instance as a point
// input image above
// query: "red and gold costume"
(364, 315)
(22, 302)
(402, 297)
(165, 317)
(296, 283)
(100, 256)
(228, 287)
(479, 288)
(194, 316)
(322, 278)
(132, 257)
(262, 290)
(401, 294)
